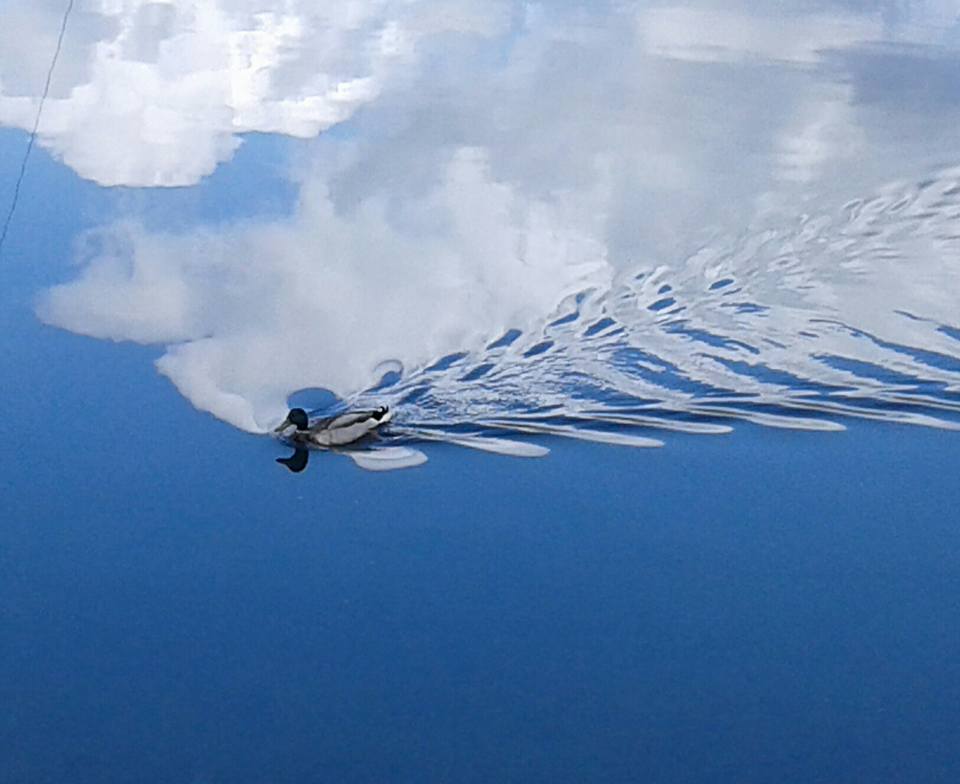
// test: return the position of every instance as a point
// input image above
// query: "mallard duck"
(334, 431)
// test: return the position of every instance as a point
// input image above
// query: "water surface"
(728, 232)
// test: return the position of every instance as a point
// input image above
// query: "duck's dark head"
(298, 418)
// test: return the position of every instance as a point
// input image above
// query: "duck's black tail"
(381, 412)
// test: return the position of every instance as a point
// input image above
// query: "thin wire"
(36, 126)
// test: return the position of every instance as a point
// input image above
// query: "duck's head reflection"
(297, 462)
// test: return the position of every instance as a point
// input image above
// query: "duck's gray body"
(342, 429)
(346, 428)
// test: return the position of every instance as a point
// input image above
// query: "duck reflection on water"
(298, 461)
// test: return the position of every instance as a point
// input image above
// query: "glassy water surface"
(524, 227)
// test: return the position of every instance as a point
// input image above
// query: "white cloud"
(718, 34)
(263, 310)
(505, 160)
(156, 93)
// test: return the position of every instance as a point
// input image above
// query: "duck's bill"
(282, 426)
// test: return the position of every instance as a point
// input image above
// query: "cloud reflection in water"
(674, 215)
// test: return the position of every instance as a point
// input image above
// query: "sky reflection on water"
(702, 209)
(628, 222)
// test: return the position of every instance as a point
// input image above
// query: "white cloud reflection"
(156, 93)
(258, 311)
(507, 156)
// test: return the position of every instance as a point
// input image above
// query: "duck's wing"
(372, 418)
(346, 428)
(345, 420)
(389, 458)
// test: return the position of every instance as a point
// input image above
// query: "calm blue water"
(577, 219)
(177, 608)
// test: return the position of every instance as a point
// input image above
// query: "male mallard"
(334, 431)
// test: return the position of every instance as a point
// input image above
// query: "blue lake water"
(706, 255)
(761, 606)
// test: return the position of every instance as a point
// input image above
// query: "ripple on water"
(784, 332)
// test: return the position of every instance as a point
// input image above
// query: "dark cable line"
(36, 125)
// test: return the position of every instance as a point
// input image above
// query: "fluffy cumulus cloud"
(507, 156)
(262, 310)
(156, 92)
